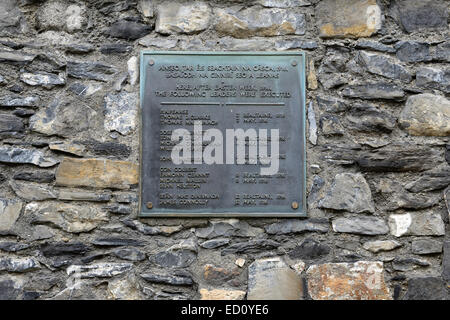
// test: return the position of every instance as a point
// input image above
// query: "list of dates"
(223, 92)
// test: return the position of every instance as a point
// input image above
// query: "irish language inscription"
(222, 134)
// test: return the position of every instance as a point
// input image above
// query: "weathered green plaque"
(223, 134)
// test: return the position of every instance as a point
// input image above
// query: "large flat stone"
(12, 21)
(362, 280)
(384, 65)
(287, 226)
(361, 225)
(349, 192)
(420, 15)
(26, 156)
(426, 288)
(227, 228)
(97, 173)
(254, 21)
(426, 115)
(99, 270)
(426, 223)
(63, 117)
(370, 91)
(9, 213)
(121, 111)
(68, 217)
(32, 191)
(187, 18)
(272, 279)
(348, 18)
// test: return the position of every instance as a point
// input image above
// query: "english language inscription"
(223, 134)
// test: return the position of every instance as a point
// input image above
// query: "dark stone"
(16, 88)
(2, 178)
(369, 91)
(426, 246)
(93, 257)
(368, 118)
(288, 226)
(26, 156)
(398, 158)
(181, 279)
(35, 176)
(10, 125)
(90, 70)
(397, 292)
(79, 48)
(318, 183)
(130, 254)
(446, 262)
(130, 30)
(23, 113)
(442, 52)
(112, 149)
(115, 242)
(309, 250)
(427, 288)
(432, 78)
(174, 259)
(13, 246)
(251, 246)
(107, 7)
(430, 181)
(215, 243)
(412, 51)
(408, 264)
(447, 153)
(383, 65)
(373, 45)
(63, 249)
(331, 104)
(118, 209)
(9, 290)
(115, 48)
(19, 101)
(330, 125)
(341, 154)
(12, 21)
(417, 15)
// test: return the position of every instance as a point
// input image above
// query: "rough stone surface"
(254, 21)
(222, 294)
(426, 115)
(372, 91)
(12, 20)
(354, 18)
(381, 245)
(433, 78)
(9, 213)
(426, 246)
(427, 288)
(188, 18)
(361, 225)
(349, 192)
(68, 217)
(384, 66)
(416, 223)
(97, 173)
(362, 280)
(298, 226)
(272, 279)
(32, 192)
(99, 270)
(418, 15)
(63, 118)
(19, 155)
(121, 112)
(90, 70)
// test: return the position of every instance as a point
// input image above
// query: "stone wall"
(378, 153)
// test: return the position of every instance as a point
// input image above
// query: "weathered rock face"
(416, 223)
(55, 15)
(63, 118)
(272, 279)
(384, 66)
(12, 20)
(68, 217)
(121, 112)
(97, 173)
(362, 280)
(415, 15)
(429, 288)
(355, 18)
(9, 213)
(188, 18)
(349, 192)
(254, 21)
(23, 156)
(361, 225)
(426, 115)
(222, 294)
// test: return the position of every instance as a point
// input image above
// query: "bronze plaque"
(223, 134)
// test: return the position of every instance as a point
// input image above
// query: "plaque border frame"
(301, 212)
